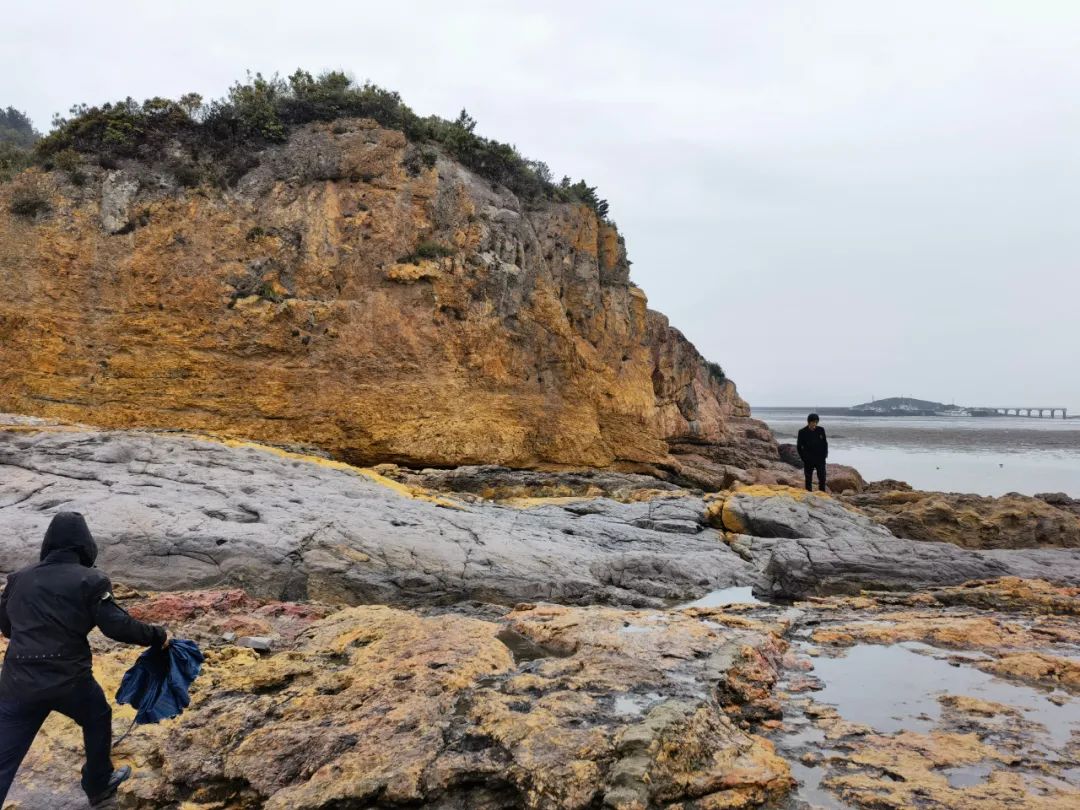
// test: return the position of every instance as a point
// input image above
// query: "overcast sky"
(834, 199)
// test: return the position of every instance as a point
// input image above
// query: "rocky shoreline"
(489, 638)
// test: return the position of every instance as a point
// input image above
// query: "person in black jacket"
(813, 449)
(46, 611)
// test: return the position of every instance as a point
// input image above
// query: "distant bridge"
(1031, 412)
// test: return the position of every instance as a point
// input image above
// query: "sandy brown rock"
(951, 631)
(372, 706)
(1039, 668)
(906, 770)
(294, 309)
(973, 521)
(1011, 593)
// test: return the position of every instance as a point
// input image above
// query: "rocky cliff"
(349, 295)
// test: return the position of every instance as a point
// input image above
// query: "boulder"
(844, 479)
(777, 511)
(789, 454)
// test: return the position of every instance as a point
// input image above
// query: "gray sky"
(833, 199)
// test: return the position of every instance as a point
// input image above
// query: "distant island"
(909, 406)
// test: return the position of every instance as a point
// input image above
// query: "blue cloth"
(157, 684)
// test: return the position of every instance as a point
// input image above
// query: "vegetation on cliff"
(262, 111)
(17, 136)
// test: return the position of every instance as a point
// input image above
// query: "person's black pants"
(808, 468)
(85, 704)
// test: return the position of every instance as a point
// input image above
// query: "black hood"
(69, 532)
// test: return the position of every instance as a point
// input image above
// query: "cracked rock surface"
(174, 512)
(809, 544)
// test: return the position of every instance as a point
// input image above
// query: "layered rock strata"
(344, 296)
(174, 512)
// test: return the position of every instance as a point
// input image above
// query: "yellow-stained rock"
(286, 311)
(374, 705)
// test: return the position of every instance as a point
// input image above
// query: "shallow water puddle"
(894, 687)
(525, 649)
(799, 739)
(635, 704)
(724, 596)
(968, 775)
(897, 687)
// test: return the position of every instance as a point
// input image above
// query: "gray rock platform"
(175, 512)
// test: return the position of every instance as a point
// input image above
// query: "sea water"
(984, 455)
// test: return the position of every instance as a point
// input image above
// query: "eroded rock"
(374, 706)
(296, 308)
(974, 521)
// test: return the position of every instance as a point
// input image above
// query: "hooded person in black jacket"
(813, 449)
(47, 610)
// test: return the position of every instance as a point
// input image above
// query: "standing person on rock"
(46, 611)
(813, 449)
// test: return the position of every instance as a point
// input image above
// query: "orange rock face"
(338, 298)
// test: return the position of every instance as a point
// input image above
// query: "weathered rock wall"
(344, 295)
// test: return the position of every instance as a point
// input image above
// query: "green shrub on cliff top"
(262, 110)
(12, 161)
(17, 129)
(17, 136)
(716, 371)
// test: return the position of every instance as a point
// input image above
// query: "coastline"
(986, 456)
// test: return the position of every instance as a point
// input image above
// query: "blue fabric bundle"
(157, 684)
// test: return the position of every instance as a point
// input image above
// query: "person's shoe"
(107, 798)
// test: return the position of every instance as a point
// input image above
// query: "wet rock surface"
(912, 707)
(871, 701)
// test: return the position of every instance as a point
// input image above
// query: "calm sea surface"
(989, 456)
